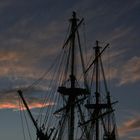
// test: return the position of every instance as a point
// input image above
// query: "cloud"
(130, 72)
(135, 138)
(9, 56)
(116, 66)
(32, 41)
(119, 33)
(125, 71)
(11, 101)
(15, 106)
(129, 126)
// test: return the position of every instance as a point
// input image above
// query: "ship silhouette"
(82, 108)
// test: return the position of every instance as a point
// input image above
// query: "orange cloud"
(37, 105)
(9, 56)
(8, 106)
(130, 72)
(11, 101)
(129, 126)
(15, 106)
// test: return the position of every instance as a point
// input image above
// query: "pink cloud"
(129, 126)
(130, 72)
(11, 101)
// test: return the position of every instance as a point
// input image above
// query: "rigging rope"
(43, 75)
(54, 83)
(26, 123)
(47, 116)
(20, 108)
(41, 78)
(45, 99)
(59, 76)
(84, 34)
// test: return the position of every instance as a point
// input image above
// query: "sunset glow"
(32, 34)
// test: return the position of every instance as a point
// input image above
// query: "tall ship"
(77, 104)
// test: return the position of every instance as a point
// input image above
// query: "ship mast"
(102, 116)
(97, 51)
(40, 134)
(72, 76)
(72, 93)
(75, 121)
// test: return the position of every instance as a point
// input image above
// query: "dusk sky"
(32, 32)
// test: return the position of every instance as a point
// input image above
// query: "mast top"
(97, 47)
(74, 17)
(74, 14)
